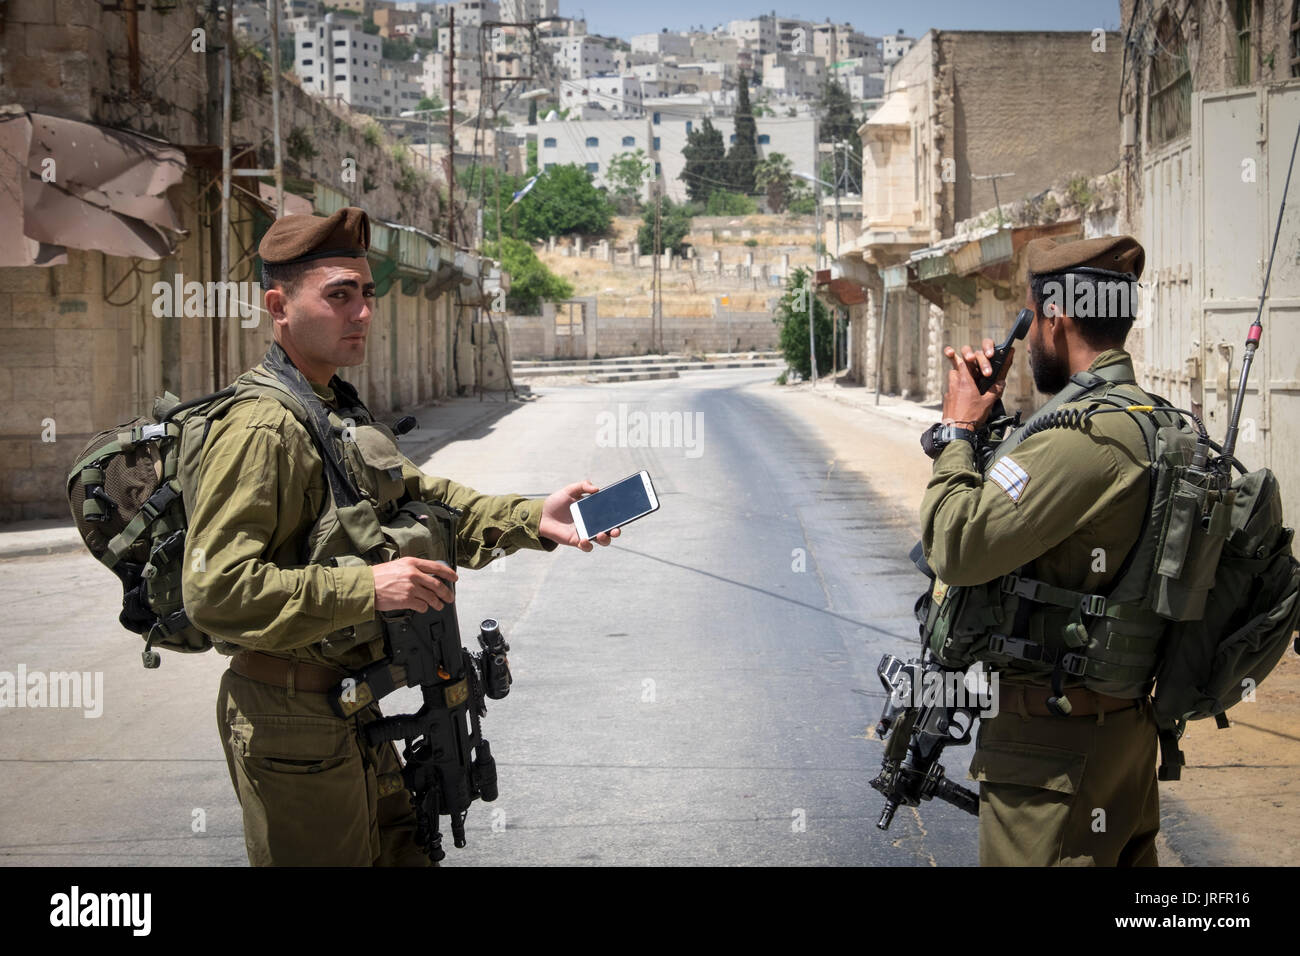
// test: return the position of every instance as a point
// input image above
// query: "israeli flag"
(524, 192)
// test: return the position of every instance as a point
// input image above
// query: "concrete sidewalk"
(439, 424)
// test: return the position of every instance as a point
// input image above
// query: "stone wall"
(618, 336)
(69, 58)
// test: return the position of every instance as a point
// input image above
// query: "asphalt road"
(699, 693)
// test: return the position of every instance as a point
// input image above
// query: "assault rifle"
(915, 735)
(447, 765)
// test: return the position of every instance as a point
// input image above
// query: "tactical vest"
(382, 523)
(1109, 643)
(130, 494)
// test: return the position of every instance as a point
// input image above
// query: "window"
(1169, 106)
(688, 127)
(1244, 63)
(306, 44)
(306, 62)
(340, 42)
(593, 167)
(764, 139)
(658, 169)
(549, 142)
(548, 166)
(656, 119)
(655, 143)
(340, 59)
(631, 140)
(339, 76)
(733, 137)
(593, 141)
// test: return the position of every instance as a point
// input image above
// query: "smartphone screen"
(616, 505)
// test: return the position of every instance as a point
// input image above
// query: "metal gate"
(1210, 204)
(1241, 146)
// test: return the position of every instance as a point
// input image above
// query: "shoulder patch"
(1009, 476)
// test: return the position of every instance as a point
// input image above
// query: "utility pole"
(810, 291)
(656, 307)
(219, 346)
(274, 8)
(451, 125)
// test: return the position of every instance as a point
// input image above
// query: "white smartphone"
(612, 507)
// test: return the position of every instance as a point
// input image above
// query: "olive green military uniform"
(1077, 790)
(312, 791)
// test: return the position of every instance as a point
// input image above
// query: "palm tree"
(775, 176)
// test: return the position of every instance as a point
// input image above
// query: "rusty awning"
(843, 291)
(76, 185)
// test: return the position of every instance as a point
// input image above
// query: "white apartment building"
(579, 56)
(715, 49)
(400, 89)
(434, 75)
(339, 62)
(892, 48)
(793, 74)
(661, 44)
(593, 144)
(862, 78)
(468, 12)
(610, 94)
(667, 77)
(662, 134)
(836, 42)
(794, 36)
(523, 11)
(758, 35)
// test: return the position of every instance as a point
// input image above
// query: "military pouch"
(416, 531)
(1197, 521)
(958, 618)
(374, 460)
(1212, 663)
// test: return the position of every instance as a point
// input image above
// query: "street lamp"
(428, 129)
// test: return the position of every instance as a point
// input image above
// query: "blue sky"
(914, 17)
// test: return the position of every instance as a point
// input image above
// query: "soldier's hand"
(557, 520)
(413, 584)
(963, 404)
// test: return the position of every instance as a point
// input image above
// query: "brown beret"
(1120, 254)
(303, 238)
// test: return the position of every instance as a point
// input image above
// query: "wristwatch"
(938, 436)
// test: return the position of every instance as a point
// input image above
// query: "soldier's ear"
(274, 300)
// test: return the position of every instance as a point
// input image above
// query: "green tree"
(775, 177)
(705, 167)
(838, 125)
(744, 151)
(793, 310)
(627, 173)
(430, 103)
(397, 49)
(531, 282)
(723, 203)
(674, 227)
(564, 202)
